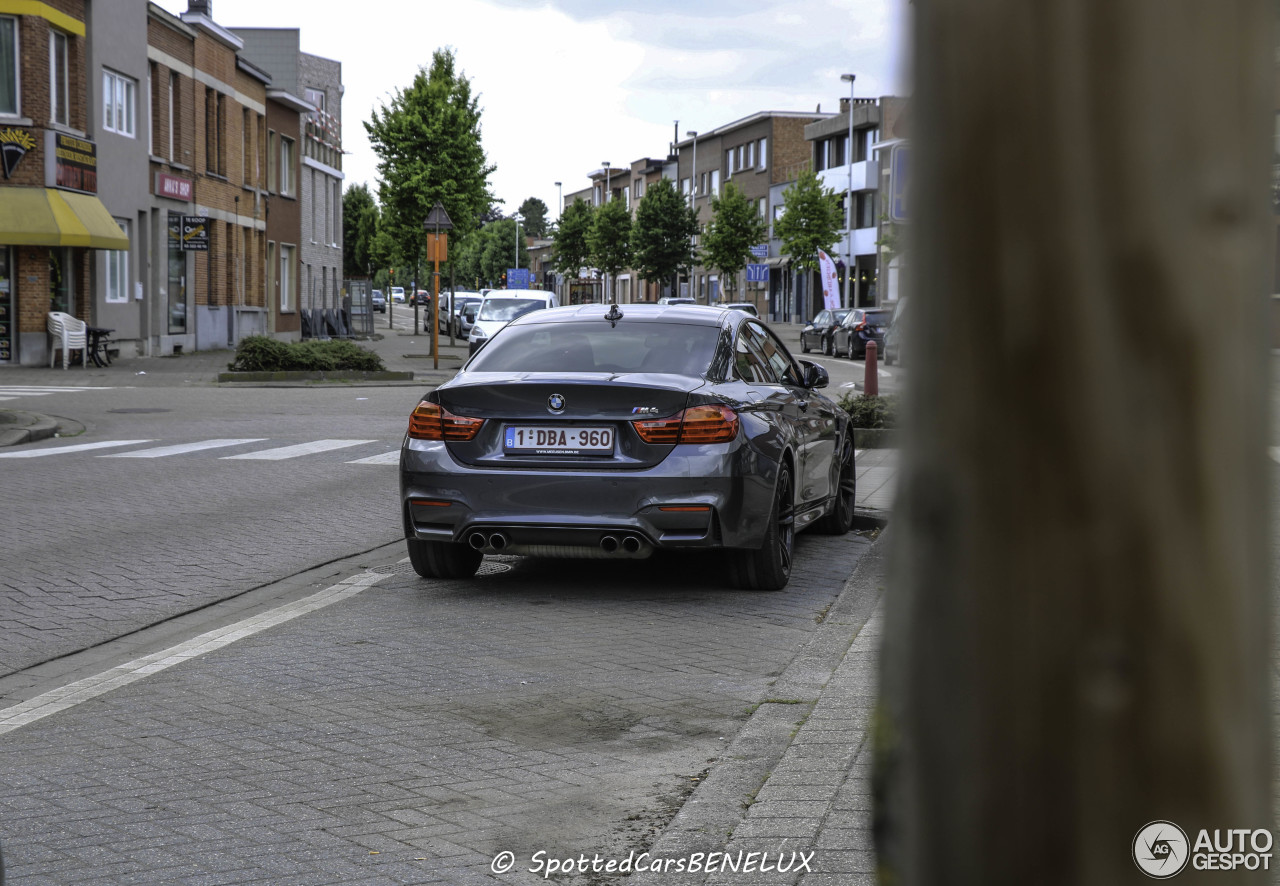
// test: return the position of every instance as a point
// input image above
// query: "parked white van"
(500, 307)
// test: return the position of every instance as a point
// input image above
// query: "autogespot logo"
(1160, 849)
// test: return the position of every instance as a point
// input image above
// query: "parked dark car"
(857, 328)
(817, 333)
(614, 431)
(378, 301)
(894, 335)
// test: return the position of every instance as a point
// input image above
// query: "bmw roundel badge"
(555, 403)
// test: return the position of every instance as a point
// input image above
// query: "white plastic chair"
(68, 333)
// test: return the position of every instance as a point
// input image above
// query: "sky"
(565, 85)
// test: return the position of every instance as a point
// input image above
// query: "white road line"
(27, 389)
(180, 448)
(387, 458)
(28, 393)
(300, 449)
(65, 697)
(79, 447)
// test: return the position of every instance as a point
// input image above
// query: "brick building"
(318, 82)
(209, 172)
(52, 224)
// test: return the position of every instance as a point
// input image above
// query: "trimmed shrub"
(871, 412)
(260, 353)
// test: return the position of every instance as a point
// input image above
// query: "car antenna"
(614, 315)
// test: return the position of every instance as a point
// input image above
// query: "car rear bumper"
(701, 498)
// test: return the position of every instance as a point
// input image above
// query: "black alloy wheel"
(829, 346)
(804, 343)
(840, 520)
(443, 559)
(769, 568)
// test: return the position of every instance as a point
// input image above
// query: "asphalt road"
(299, 706)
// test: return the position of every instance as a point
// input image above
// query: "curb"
(875, 438)
(340, 375)
(719, 805)
(17, 428)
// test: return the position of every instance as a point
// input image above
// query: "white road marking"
(79, 447)
(47, 389)
(65, 697)
(387, 458)
(180, 448)
(300, 449)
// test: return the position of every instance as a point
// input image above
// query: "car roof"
(698, 315)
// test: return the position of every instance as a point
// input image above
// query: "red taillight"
(861, 326)
(430, 421)
(697, 424)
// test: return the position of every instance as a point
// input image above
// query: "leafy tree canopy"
(359, 230)
(811, 220)
(610, 239)
(428, 146)
(534, 213)
(571, 251)
(735, 227)
(662, 235)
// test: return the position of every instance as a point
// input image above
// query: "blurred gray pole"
(1077, 627)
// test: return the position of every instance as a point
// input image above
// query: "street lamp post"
(559, 202)
(693, 201)
(517, 219)
(848, 201)
(604, 198)
(437, 220)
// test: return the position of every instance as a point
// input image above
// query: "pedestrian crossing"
(213, 448)
(14, 392)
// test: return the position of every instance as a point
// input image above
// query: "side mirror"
(815, 375)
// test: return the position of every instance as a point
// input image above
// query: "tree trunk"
(1077, 627)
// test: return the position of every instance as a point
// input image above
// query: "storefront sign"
(173, 187)
(71, 162)
(14, 144)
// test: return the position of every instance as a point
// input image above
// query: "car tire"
(840, 520)
(849, 350)
(829, 346)
(443, 559)
(769, 568)
(888, 356)
(804, 343)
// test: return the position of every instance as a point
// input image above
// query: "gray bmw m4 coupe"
(614, 431)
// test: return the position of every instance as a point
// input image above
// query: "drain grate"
(486, 568)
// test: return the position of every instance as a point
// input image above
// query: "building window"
(59, 79)
(287, 157)
(272, 161)
(173, 112)
(764, 208)
(118, 270)
(286, 277)
(865, 208)
(119, 104)
(751, 155)
(760, 153)
(8, 65)
(715, 182)
(728, 163)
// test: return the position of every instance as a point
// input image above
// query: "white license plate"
(558, 440)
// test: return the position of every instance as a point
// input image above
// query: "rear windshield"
(507, 309)
(879, 318)
(597, 347)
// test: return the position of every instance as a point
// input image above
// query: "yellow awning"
(49, 217)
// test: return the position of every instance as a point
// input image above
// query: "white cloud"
(567, 84)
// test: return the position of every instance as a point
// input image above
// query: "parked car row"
(846, 332)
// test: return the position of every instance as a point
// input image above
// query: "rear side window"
(507, 309)
(598, 347)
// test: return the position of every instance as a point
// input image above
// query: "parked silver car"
(614, 431)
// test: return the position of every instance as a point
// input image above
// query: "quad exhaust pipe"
(623, 547)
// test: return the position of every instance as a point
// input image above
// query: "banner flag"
(830, 289)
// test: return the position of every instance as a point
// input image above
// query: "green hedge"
(871, 412)
(259, 353)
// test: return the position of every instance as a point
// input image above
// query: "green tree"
(359, 230)
(662, 235)
(811, 220)
(499, 252)
(534, 212)
(571, 249)
(610, 241)
(735, 227)
(428, 147)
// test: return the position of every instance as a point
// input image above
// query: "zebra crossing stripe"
(295, 451)
(180, 448)
(387, 458)
(79, 447)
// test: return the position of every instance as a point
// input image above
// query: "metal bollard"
(871, 380)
